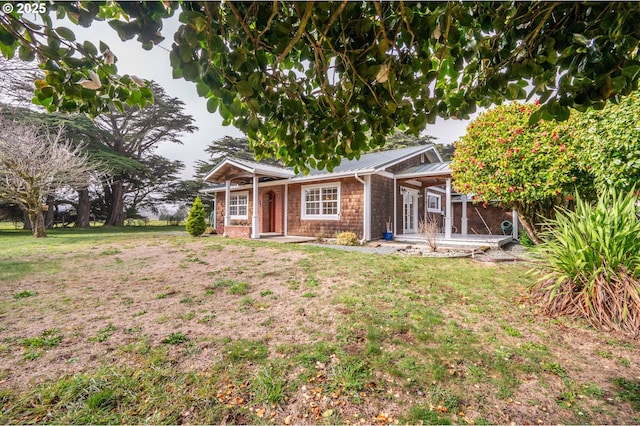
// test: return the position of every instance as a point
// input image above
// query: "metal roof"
(372, 162)
(250, 167)
(429, 169)
(367, 163)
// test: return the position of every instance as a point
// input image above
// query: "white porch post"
(395, 206)
(255, 232)
(286, 208)
(514, 215)
(448, 213)
(367, 208)
(227, 207)
(463, 219)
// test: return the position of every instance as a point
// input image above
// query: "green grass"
(431, 338)
(24, 294)
(176, 338)
(48, 339)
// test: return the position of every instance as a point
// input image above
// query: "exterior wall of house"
(351, 211)
(266, 196)
(381, 205)
(411, 162)
(492, 215)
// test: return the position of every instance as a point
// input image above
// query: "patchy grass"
(288, 334)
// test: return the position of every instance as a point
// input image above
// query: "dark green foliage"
(628, 390)
(196, 221)
(313, 82)
(593, 255)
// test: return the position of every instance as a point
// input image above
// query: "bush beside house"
(196, 221)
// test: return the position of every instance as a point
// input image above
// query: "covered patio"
(438, 175)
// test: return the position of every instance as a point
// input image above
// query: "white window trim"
(426, 201)
(305, 216)
(239, 194)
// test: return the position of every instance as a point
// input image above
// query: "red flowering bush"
(533, 169)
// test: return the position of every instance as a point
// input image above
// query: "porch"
(458, 241)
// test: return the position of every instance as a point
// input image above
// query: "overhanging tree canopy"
(310, 82)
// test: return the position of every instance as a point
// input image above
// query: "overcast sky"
(154, 65)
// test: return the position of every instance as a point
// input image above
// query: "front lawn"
(145, 325)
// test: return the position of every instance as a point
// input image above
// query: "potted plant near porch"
(388, 236)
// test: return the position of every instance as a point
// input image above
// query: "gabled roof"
(237, 168)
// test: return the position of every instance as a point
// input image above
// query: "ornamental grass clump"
(593, 255)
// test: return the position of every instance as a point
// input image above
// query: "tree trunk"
(26, 221)
(51, 212)
(115, 215)
(526, 215)
(83, 209)
(37, 223)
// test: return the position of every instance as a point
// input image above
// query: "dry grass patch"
(171, 329)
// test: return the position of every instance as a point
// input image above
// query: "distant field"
(148, 324)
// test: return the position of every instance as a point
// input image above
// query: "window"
(239, 205)
(321, 202)
(434, 202)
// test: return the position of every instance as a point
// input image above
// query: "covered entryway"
(246, 214)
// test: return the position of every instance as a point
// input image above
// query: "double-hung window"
(321, 202)
(239, 205)
(434, 202)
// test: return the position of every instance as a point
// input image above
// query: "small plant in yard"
(239, 288)
(428, 229)
(594, 259)
(350, 374)
(103, 334)
(176, 338)
(347, 239)
(247, 350)
(525, 240)
(48, 339)
(24, 294)
(196, 221)
(269, 385)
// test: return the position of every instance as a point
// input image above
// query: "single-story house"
(380, 192)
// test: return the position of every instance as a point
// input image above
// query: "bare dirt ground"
(111, 296)
(173, 290)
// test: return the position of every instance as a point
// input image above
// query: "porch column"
(463, 219)
(255, 232)
(514, 215)
(227, 207)
(448, 213)
(395, 206)
(367, 208)
(286, 209)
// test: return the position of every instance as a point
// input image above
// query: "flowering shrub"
(530, 168)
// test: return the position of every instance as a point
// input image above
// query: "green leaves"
(309, 80)
(527, 163)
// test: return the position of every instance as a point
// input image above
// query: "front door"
(409, 210)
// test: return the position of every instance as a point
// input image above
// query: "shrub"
(525, 240)
(429, 229)
(196, 221)
(347, 239)
(594, 259)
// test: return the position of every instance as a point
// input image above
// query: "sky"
(154, 65)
